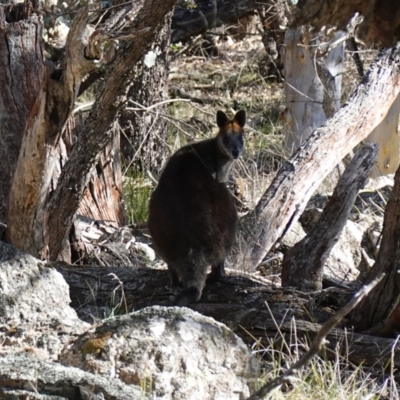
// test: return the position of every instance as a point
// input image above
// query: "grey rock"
(345, 257)
(34, 305)
(24, 376)
(294, 235)
(175, 352)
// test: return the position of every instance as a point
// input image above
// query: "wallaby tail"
(193, 273)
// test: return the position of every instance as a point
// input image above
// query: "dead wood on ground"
(238, 301)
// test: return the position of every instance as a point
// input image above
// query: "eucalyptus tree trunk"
(313, 82)
(21, 79)
(386, 135)
(379, 313)
(41, 209)
(143, 122)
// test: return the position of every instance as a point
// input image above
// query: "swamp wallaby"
(192, 216)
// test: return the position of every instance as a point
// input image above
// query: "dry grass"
(327, 377)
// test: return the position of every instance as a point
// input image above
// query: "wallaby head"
(230, 135)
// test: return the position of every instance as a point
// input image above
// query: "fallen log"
(238, 301)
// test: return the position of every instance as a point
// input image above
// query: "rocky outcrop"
(163, 352)
(24, 376)
(175, 353)
(34, 305)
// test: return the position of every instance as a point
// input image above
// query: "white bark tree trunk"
(312, 84)
(386, 134)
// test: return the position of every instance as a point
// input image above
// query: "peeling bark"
(95, 135)
(103, 198)
(313, 83)
(37, 158)
(39, 214)
(21, 80)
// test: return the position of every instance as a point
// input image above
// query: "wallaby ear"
(240, 118)
(222, 119)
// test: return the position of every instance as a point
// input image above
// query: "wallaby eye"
(225, 140)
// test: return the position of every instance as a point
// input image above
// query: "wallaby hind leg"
(187, 296)
(175, 280)
(193, 279)
(218, 271)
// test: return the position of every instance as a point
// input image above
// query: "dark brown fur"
(192, 216)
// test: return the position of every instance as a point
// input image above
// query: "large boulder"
(346, 255)
(24, 376)
(34, 305)
(175, 352)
